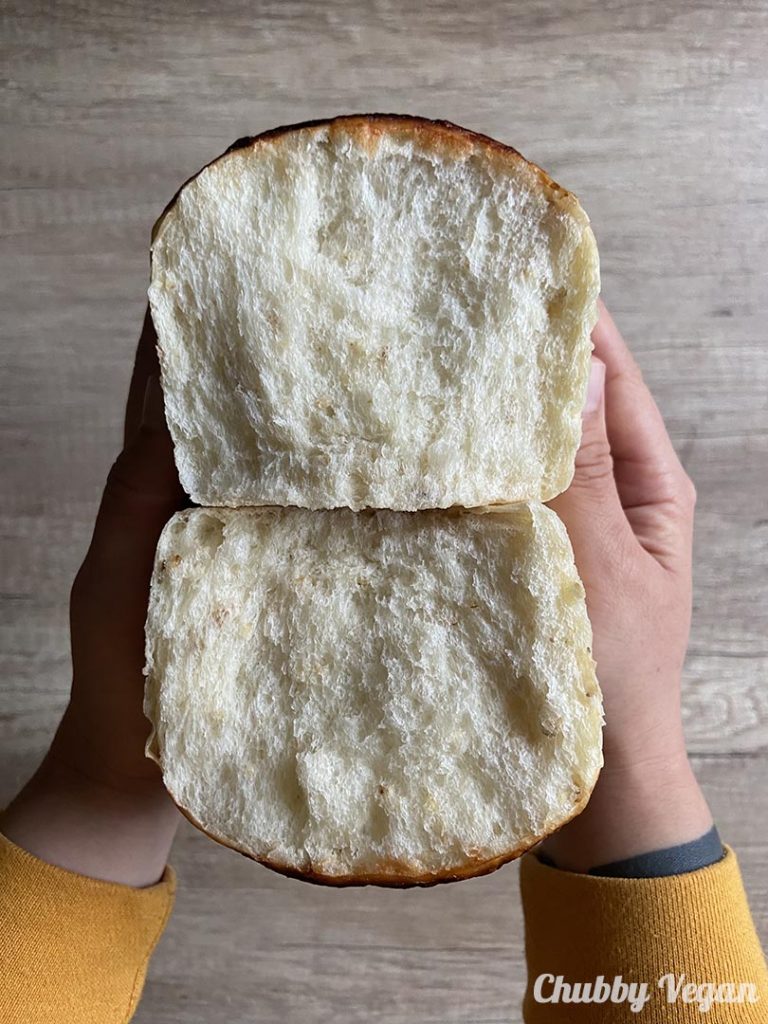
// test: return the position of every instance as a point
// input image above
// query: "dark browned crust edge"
(378, 123)
(393, 881)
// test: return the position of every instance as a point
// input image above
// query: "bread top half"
(373, 312)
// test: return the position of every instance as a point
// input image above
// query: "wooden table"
(654, 114)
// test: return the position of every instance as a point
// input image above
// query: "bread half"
(373, 311)
(372, 698)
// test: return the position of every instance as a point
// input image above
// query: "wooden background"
(655, 114)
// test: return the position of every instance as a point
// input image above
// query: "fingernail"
(153, 409)
(595, 386)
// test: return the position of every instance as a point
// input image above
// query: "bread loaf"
(373, 311)
(377, 697)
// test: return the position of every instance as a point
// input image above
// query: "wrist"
(91, 826)
(638, 806)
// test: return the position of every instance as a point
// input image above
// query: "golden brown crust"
(451, 139)
(393, 880)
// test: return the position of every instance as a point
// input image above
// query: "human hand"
(629, 514)
(97, 805)
(104, 729)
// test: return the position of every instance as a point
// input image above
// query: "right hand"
(629, 514)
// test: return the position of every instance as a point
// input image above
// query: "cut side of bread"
(378, 697)
(373, 311)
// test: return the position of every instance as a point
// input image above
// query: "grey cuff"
(673, 860)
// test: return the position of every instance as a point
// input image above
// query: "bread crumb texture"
(385, 696)
(389, 313)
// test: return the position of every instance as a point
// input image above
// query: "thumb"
(141, 494)
(591, 507)
(108, 605)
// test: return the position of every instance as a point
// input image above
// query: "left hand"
(104, 729)
(97, 805)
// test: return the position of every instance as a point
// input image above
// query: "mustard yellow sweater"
(75, 951)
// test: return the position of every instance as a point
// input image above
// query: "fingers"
(591, 507)
(145, 366)
(646, 467)
(629, 488)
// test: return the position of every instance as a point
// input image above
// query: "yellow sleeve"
(73, 949)
(652, 931)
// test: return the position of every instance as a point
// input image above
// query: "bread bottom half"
(372, 698)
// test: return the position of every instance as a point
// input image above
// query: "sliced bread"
(373, 311)
(382, 697)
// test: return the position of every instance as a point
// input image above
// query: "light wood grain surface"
(654, 114)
